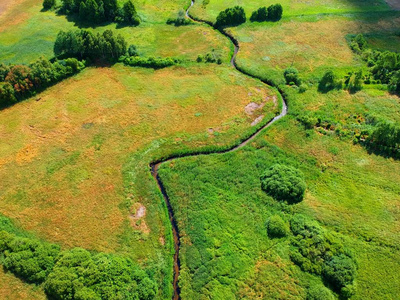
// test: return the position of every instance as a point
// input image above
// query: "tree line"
(98, 11)
(76, 273)
(18, 82)
(272, 13)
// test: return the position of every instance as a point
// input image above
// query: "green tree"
(231, 17)
(319, 292)
(130, 14)
(292, 76)
(328, 82)
(260, 15)
(284, 183)
(275, 12)
(276, 227)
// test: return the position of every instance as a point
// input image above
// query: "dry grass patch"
(12, 288)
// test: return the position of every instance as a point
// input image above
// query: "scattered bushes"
(212, 57)
(328, 82)
(284, 183)
(18, 82)
(319, 252)
(292, 76)
(180, 20)
(99, 11)
(83, 44)
(272, 13)
(354, 81)
(231, 17)
(276, 227)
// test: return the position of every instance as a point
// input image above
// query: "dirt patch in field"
(395, 4)
(137, 218)
(27, 154)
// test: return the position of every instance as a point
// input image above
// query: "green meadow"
(75, 168)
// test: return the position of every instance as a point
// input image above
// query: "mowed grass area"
(209, 9)
(75, 165)
(27, 33)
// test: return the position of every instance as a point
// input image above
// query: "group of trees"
(385, 138)
(211, 57)
(384, 65)
(75, 273)
(84, 44)
(99, 11)
(352, 82)
(291, 75)
(231, 17)
(272, 13)
(20, 81)
(284, 183)
(317, 251)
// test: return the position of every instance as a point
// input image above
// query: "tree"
(231, 17)
(130, 14)
(47, 4)
(260, 15)
(340, 271)
(319, 292)
(284, 183)
(276, 227)
(7, 94)
(327, 82)
(292, 76)
(275, 12)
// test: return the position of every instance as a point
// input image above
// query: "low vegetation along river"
(155, 165)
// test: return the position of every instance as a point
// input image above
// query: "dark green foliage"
(275, 12)
(272, 13)
(180, 20)
(84, 44)
(130, 14)
(317, 251)
(47, 4)
(211, 57)
(276, 227)
(231, 17)
(328, 82)
(385, 138)
(260, 15)
(358, 44)
(132, 51)
(27, 258)
(319, 292)
(149, 62)
(354, 81)
(22, 81)
(284, 183)
(79, 274)
(292, 76)
(394, 83)
(100, 11)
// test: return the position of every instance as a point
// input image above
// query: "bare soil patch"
(395, 4)
(137, 218)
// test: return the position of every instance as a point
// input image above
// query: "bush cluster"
(231, 17)
(180, 20)
(76, 273)
(48, 4)
(384, 65)
(18, 82)
(149, 62)
(292, 76)
(317, 251)
(84, 44)
(284, 183)
(211, 57)
(272, 13)
(385, 138)
(276, 227)
(99, 11)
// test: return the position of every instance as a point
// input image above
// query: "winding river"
(156, 164)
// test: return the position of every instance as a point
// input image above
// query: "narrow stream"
(155, 165)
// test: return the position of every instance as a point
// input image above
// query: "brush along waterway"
(156, 164)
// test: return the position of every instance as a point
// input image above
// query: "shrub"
(276, 227)
(130, 15)
(319, 292)
(353, 81)
(132, 51)
(284, 183)
(149, 62)
(328, 82)
(340, 271)
(181, 20)
(47, 4)
(260, 15)
(292, 76)
(231, 17)
(275, 12)
(358, 44)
